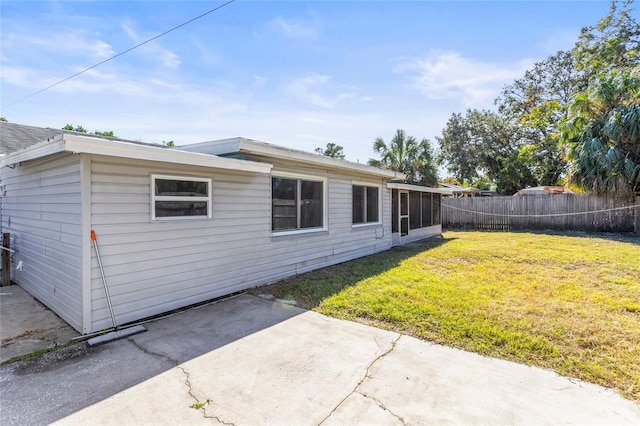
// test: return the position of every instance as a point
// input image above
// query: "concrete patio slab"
(26, 325)
(248, 361)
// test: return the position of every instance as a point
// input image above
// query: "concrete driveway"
(249, 361)
(27, 325)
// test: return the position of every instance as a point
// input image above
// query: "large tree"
(603, 133)
(406, 155)
(332, 150)
(535, 106)
(537, 103)
(485, 144)
(614, 42)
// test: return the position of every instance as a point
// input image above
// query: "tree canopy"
(406, 155)
(80, 129)
(332, 150)
(521, 143)
(602, 133)
(483, 144)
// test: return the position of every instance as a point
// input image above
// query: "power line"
(121, 53)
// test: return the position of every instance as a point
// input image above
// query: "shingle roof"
(14, 137)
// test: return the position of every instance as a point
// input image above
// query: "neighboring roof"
(92, 144)
(408, 187)
(544, 190)
(249, 146)
(460, 189)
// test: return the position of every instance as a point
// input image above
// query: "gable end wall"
(41, 209)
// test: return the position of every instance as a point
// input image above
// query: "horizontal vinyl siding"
(343, 242)
(153, 267)
(41, 209)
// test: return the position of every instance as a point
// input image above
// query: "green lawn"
(569, 302)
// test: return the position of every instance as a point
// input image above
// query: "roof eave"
(254, 147)
(409, 187)
(89, 145)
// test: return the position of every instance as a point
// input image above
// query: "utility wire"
(121, 53)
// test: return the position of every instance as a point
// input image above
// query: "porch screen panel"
(394, 210)
(415, 213)
(426, 209)
(436, 209)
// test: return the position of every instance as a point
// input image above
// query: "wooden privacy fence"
(555, 212)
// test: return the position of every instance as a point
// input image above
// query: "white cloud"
(307, 89)
(114, 86)
(152, 49)
(259, 81)
(67, 43)
(448, 75)
(296, 29)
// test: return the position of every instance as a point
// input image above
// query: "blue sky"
(298, 74)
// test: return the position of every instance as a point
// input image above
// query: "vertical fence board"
(562, 212)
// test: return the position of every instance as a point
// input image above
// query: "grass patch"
(37, 353)
(568, 302)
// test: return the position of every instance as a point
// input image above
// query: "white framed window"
(180, 197)
(298, 204)
(366, 204)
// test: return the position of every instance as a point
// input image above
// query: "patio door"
(404, 213)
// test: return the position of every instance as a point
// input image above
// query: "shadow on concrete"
(78, 376)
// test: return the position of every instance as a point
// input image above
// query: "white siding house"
(181, 226)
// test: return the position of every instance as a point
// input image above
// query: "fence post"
(6, 259)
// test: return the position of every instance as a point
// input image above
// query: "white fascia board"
(408, 187)
(88, 145)
(261, 148)
(41, 149)
(249, 146)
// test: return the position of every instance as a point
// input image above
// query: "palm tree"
(602, 134)
(406, 155)
(332, 150)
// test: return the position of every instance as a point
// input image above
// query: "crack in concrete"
(148, 352)
(381, 405)
(362, 380)
(187, 380)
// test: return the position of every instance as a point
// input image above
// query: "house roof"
(460, 189)
(92, 144)
(408, 187)
(543, 190)
(14, 137)
(249, 146)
